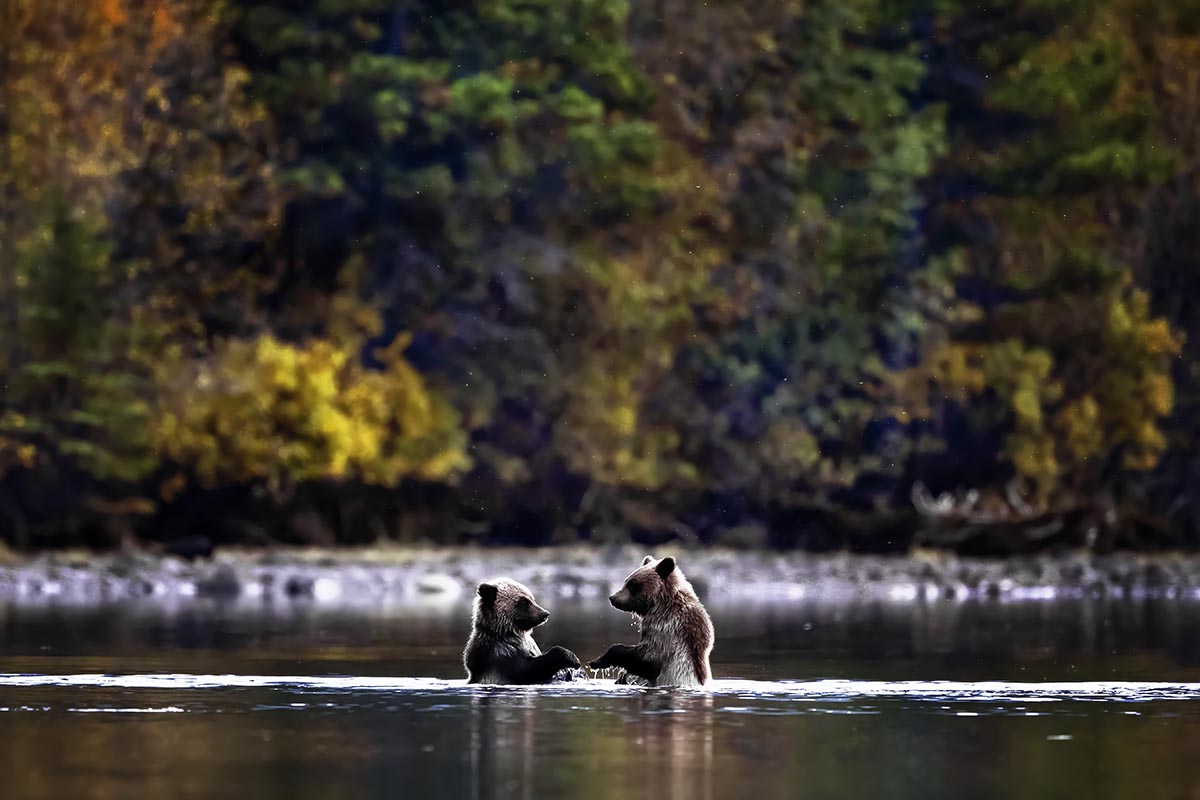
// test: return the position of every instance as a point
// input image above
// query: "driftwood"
(951, 519)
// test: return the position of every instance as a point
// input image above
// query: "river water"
(1087, 698)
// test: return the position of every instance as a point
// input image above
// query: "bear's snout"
(612, 598)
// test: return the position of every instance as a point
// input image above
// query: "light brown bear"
(677, 634)
(501, 648)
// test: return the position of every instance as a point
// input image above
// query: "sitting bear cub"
(501, 648)
(677, 634)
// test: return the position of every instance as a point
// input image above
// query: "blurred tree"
(263, 411)
(1061, 368)
(801, 117)
(489, 163)
(78, 397)
(130, 176)
(1162, 240)
(591, 265)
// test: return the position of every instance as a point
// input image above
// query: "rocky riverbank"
(376, 577)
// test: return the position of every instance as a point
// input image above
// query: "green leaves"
(78, 402)
(1041, 361)
(771, 255)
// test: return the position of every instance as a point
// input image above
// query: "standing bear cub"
(677, 634)
(501, 648)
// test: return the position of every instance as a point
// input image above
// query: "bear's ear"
(665, 567)
(647, 560)
(488, 592)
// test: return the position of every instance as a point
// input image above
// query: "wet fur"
(501, 649)
(676, 632)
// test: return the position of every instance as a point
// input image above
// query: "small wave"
(959, 691)
(106, 710)
(826, 690)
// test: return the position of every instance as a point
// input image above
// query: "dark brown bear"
(501, 648)
(677, 634)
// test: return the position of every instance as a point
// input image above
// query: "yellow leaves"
(1120, 322)
(957, 369)
(1108, 394)
(623, 419)
(1159, 392)
(1021, 375)
(27, 455)
(1137, 390)
(1080, 422)
(791, 448)
(604, 434)
(1033, 458)
(765, 41)
(1133, 330)
(1158, 339)
(273, 411)
(642, 313)
(1027, 406)
(14, 450)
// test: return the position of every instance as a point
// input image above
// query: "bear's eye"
(526, 602)
(635, 588)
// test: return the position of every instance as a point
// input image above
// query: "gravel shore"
(375, 577)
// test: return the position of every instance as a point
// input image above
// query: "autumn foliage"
(554, 269)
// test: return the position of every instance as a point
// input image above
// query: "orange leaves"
(158, 22)
(165, 25)
(113, 12)
(83, 72)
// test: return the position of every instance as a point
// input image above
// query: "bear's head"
(646, 586)
(503, 604)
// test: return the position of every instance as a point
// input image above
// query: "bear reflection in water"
(521, 747)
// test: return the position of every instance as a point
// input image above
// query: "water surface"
(1088, 698)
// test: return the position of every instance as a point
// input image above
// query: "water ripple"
(827, 690)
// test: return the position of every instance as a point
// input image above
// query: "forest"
(823, 274)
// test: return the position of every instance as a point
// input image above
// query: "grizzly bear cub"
(501, 648)
(677, 634)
